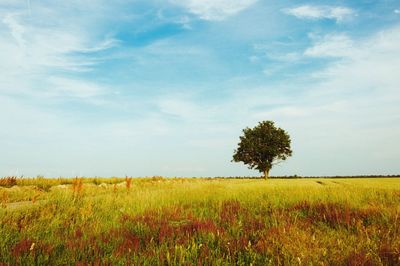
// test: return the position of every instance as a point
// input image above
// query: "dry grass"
(8, 181)
(128, 182)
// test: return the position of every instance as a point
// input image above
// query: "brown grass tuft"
(359, 259)
(8, 181)
(128, 181)
(77, 187)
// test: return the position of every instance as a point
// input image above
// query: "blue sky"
(147, 88)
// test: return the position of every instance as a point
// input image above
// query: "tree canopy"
(263, 146)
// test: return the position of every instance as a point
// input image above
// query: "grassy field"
(160, 221)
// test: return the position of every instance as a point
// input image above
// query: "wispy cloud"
(56, 52)
(338, 13)
(331, 45)
(16, 29)
(214, 9)
(41, 59)
(67, 87)
(380, 52)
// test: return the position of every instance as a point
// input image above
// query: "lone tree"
(263, 146)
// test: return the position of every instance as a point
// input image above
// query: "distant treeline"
(305, 177)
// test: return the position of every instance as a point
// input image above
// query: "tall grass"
(205, 222)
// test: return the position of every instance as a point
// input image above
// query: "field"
(166, 221)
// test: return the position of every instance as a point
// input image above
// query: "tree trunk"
(266, 173)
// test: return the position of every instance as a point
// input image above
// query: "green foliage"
(263, 146)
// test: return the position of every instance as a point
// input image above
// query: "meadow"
(199, 221)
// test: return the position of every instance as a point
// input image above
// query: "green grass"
(159, 221)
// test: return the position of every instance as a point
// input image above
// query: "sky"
(144, 88)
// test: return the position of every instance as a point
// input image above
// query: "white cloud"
(332, 45)
(31, 50)
(396, 11)
(367, 77)
(68, 87)
(16, 29)
(337, 13)
(288, 111)
(37, 50)
(369, 63)
(178, 107)
(214, 9)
